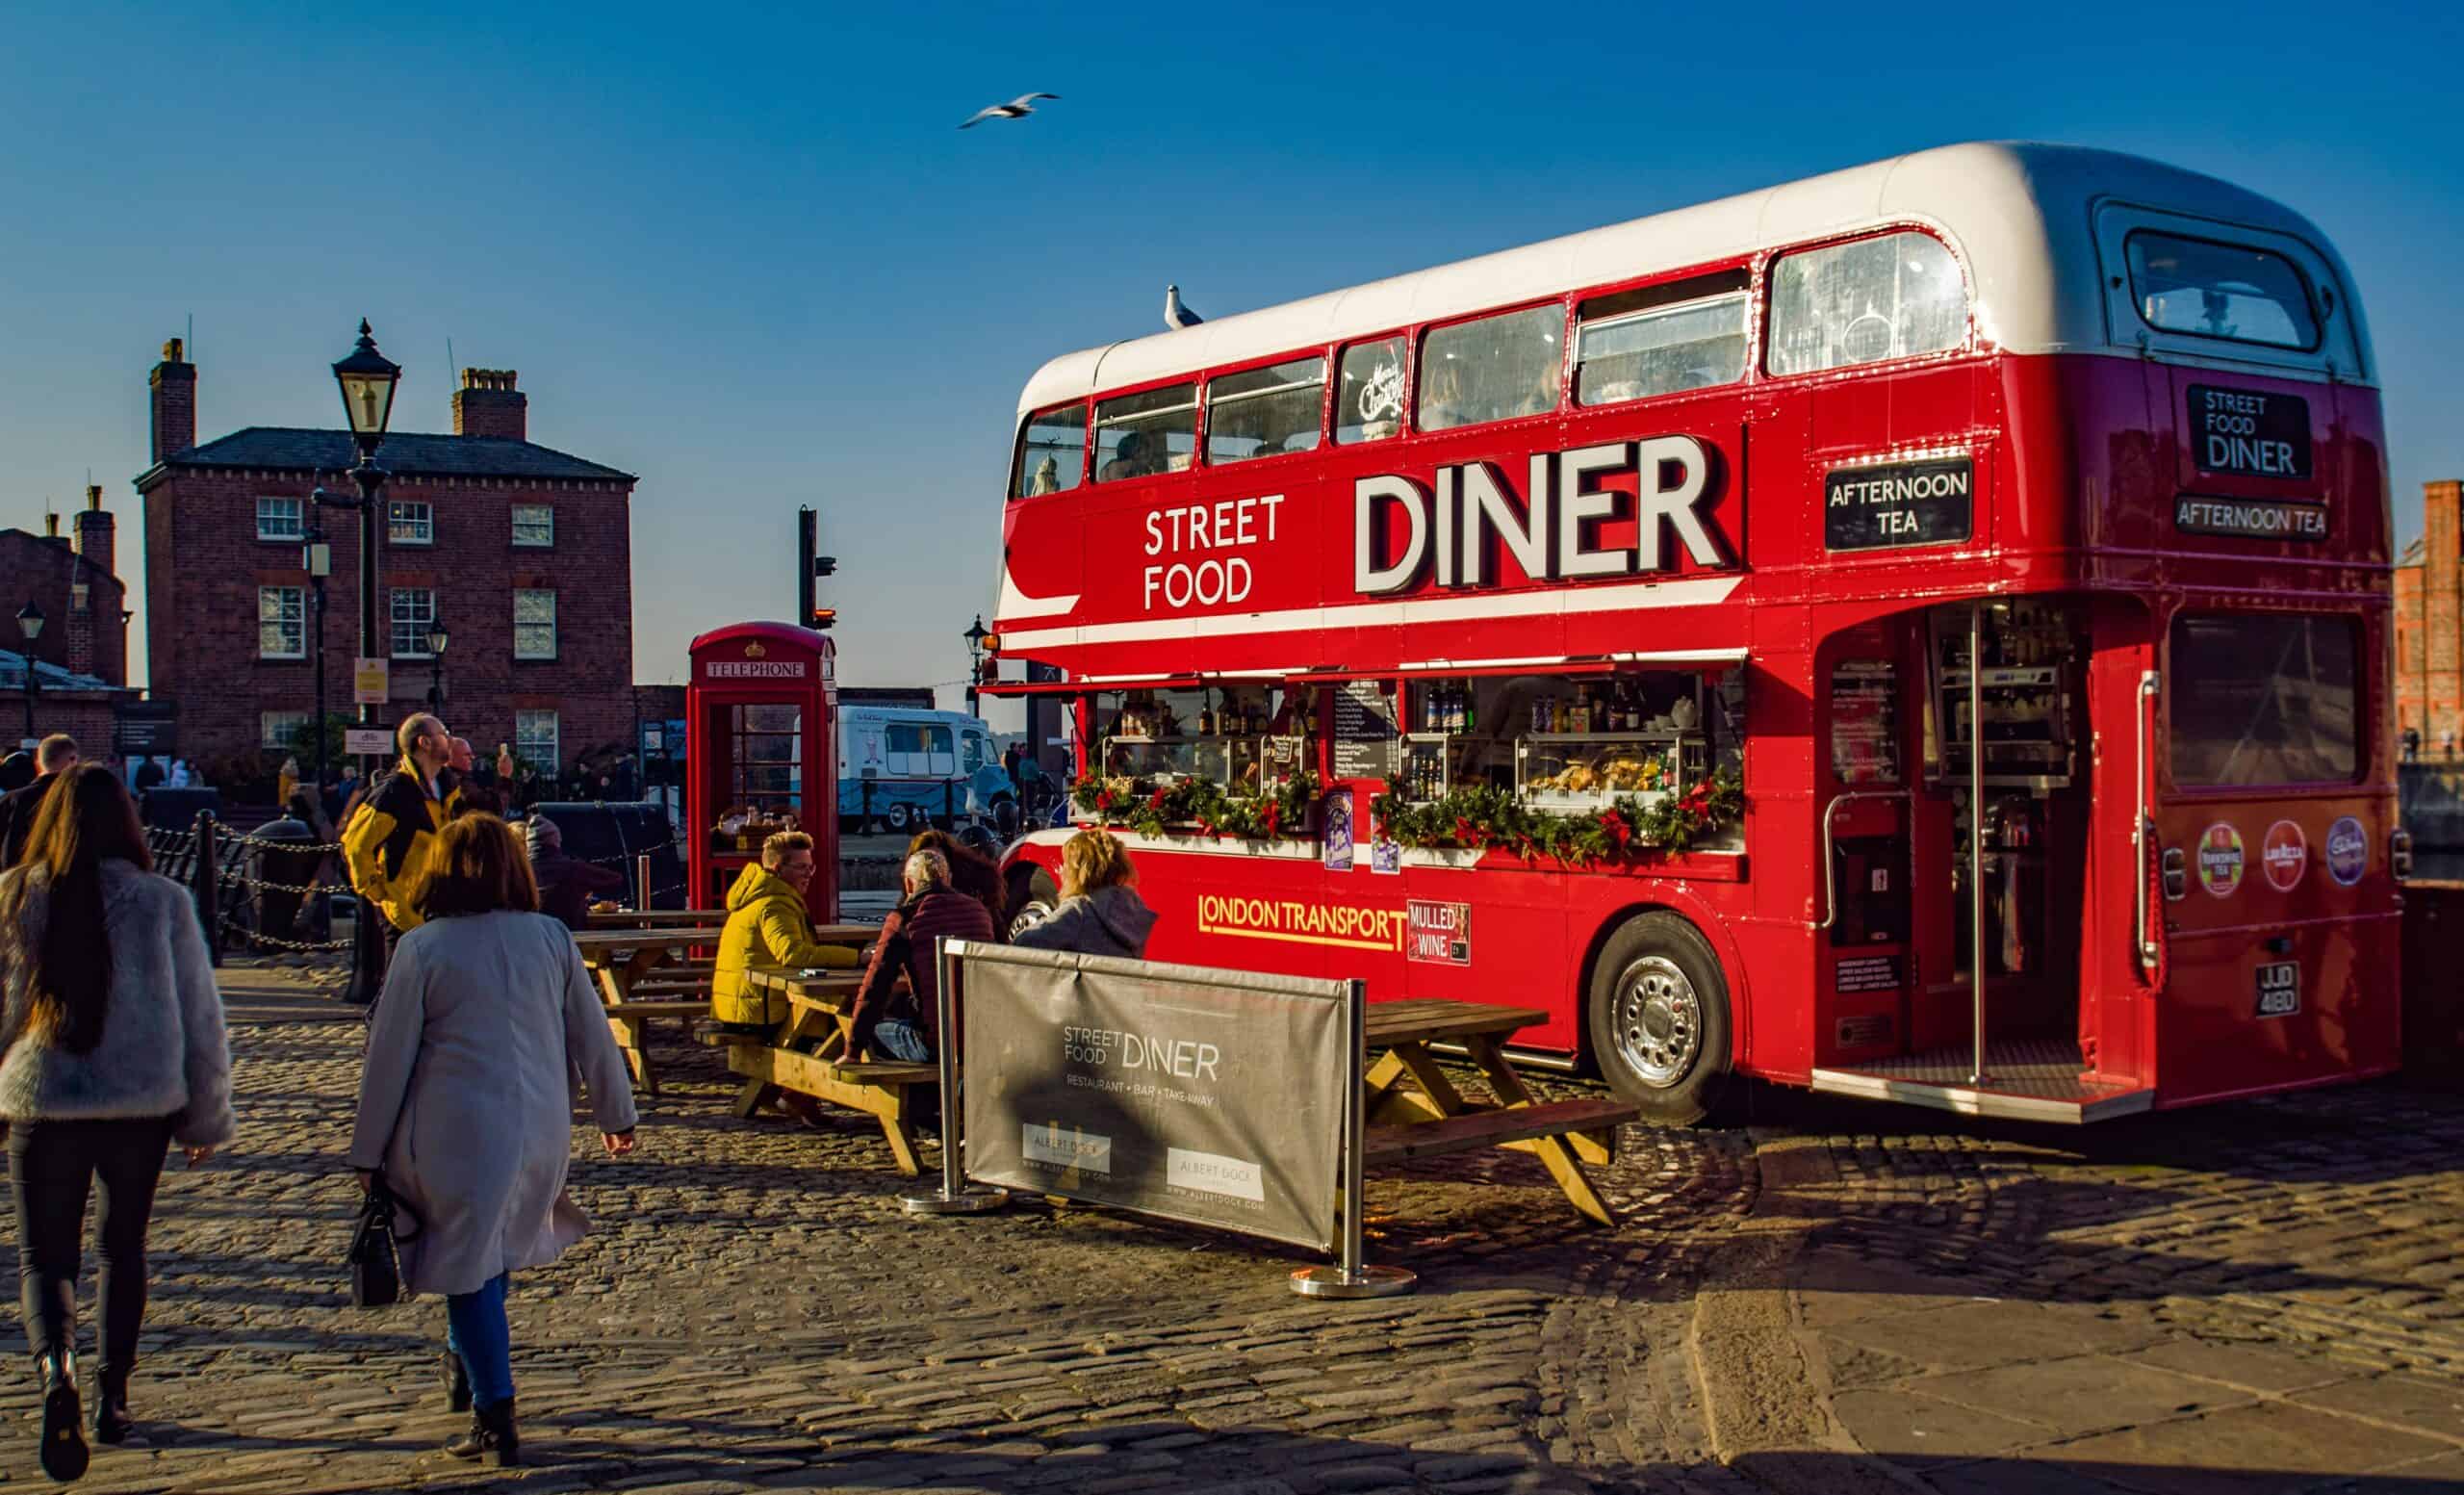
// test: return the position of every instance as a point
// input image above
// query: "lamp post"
(975, 637)
(366, 379)
(436, 667)
(30, 621)
(316, 558)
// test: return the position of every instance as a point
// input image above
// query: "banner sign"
(2254, 519)
(1866, 508)
(1214, 1098)
(368, 741)
(2248, 433)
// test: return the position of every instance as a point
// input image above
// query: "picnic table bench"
(1431, 1117)
(818, 1002)
(648, 971)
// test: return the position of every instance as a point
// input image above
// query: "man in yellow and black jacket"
(391, 835)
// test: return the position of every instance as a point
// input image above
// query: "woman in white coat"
(466, 1105)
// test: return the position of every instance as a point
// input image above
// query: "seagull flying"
(1176, 315)
(1016, 109)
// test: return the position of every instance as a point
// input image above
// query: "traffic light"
(822, 617)
(825, 565)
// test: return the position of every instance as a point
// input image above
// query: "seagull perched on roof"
(1016, 109)
(1176, 315)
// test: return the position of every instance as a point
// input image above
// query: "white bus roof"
(2021, 215)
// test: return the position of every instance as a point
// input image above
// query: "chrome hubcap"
(1660, 1022)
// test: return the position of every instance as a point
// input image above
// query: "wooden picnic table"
(654, 918)
(1431, 1117)
(642, 974)
(818, 1002)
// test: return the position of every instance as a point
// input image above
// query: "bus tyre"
(1658, 1019)
(898, 818)
(1032, 899)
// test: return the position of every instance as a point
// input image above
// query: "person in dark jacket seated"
(902, 1025)
(565, 884)
(1100, 911)
(971, 871)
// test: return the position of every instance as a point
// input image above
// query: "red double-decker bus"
(1918, 633)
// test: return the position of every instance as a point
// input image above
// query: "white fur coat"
(164, 1051)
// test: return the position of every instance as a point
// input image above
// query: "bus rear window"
(2221, 291)
(1052, 453)
(2264, 699)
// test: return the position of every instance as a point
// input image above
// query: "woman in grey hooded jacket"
(1100, 911)
(111, 1048)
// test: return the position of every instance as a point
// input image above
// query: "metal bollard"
(642, 882)
(865, 827)
(956, 1196)
(208, 887)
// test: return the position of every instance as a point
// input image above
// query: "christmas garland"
(1483, 816)
(1214, 809)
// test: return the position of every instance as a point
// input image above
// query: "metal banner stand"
(1351, 1277)
(956, 1196)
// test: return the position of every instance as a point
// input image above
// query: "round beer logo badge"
(2284, 856)
(2348, 851)
(2219, 860)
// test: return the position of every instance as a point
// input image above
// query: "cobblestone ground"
(1781, 1308)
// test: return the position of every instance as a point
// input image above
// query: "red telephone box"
(760, 749)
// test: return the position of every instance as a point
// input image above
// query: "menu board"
(1864, 721)
(1364, 731)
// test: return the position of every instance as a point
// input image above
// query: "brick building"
(2429, 612)
(77, 586)
(523, 552)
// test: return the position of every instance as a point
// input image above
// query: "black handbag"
(375, 1253)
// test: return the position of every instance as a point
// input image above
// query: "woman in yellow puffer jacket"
(767, 925)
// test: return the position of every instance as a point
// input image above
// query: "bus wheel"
(1032, 899)
(898, 817)
(1658, 1017)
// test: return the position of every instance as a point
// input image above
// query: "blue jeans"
(475, 1329)
(902, 1040)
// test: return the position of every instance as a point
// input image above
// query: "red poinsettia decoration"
(1274, 816)
(1619, 831)
(1156, 800)
(1103, 799)
(1465, 832)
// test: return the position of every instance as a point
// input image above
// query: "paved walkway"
(1832, 1298)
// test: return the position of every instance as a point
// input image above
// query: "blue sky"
(744, 253)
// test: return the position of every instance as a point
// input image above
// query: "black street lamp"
(436, 666)
(366, 379)
(30, 621)
(975, 637)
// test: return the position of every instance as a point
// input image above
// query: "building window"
(414, 610)
(410, 524)
(281, 519)
(535, 625)
(534, 741)
(279, 731)
(282, 623)
(534, 524)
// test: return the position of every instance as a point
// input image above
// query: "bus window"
(1660, 351)
(1369, 404)
(2221, 291)
(1265, 412)
(1850, 303)
(1141, 435)
(1493, 369)
(1245, 737)
(1052, 453)
(2264, 699)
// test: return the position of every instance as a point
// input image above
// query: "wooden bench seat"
(654, 1008)
(1394, 1143)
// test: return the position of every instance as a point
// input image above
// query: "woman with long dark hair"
(466, 1107)
(112, 1048)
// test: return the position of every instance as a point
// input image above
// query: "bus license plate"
(2279, 989)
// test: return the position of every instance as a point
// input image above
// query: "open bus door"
(1977, 921)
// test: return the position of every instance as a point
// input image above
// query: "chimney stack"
(51, 528)
(97, 538)
(175, 384)
(488, 404)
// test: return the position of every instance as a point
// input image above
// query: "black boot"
(457, 1382)
(63, 1447)
(111, 1407)
(493, 1435)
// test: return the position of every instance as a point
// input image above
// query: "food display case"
(1582, 771)
(760, 755)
